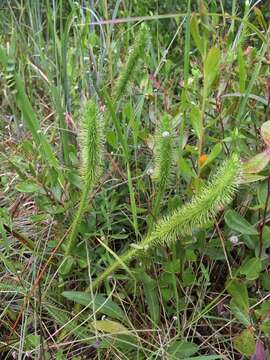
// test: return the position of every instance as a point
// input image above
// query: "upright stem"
(77, 220)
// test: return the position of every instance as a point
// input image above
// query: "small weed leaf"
(240, 302)
(265, 132)
(237, 223)
(245, 342)
(111, 327)
(98, 303)
(181, 349)
(211, 69)
(252, 268)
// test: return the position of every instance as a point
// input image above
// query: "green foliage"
(135, 263)
(198, 213)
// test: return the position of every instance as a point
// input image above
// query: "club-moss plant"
(137, 51)
(163, 160)
(201, 210)
(91, 140)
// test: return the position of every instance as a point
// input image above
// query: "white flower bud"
(165, 134)
(233, 239)
(150, 171)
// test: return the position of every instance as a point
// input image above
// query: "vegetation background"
(124, 231)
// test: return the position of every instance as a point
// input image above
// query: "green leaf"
(245, 342)
(111, 327)
(252, 268)
(182, 349)
(257, 163)
(239, 314)
(28, 187)
(151, 296)
(67, 265)
(188, 277)
(241, 70)
(239, 293)
(211, 69)
(265, 132)
(32, 341)
(265, 281)
(265, 327)
(196, 120)
(237, 223)
(99, 302)
(249, 178)
(214, 154)
(194, 30)
(262, 193)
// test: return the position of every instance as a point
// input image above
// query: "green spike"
(136, 52)
(91, 140)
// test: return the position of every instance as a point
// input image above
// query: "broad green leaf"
(67, 265)
(196, 121)
(257, 163)
(239, 314)
(151, 296)
(245, 342)
(28, 187)
(188, 277)
(252, 268)
(111, 327)
(265, 132)
(32, 341)
(265, 327)
(241, 70)
(211, 69)
(266, 236)
(213, 154)
(182, 349)
(249, 178)
(99, 302)
(239, 293)
(237, 223)
(262, 193)
(194, 30)
(265, 281)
